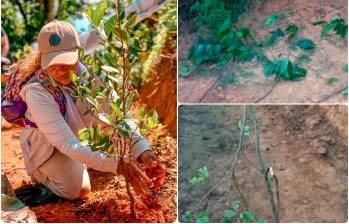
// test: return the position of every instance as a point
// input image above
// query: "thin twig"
(267, 94)
(210, 88)
(236, 183)
(323, 98)
(229, 172)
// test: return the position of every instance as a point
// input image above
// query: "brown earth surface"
(108, 201)
(327, 59)
(309, 152)
(160, 92)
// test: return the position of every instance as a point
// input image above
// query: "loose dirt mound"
(108, 201)
(327, 60)
(310, 161)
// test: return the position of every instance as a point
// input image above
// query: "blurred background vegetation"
(23, 19)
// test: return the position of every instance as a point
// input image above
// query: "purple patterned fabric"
(13, 107)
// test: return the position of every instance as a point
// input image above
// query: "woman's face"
(61, 73)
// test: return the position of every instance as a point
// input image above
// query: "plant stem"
(231, 169)
(264, 171)
(257, 146)
(125, 147)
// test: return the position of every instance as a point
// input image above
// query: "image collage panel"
(256, 142)
(89, 111)
(174, 111)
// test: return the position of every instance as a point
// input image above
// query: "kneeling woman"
(52, 153)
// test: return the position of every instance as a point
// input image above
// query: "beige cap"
(58, 44)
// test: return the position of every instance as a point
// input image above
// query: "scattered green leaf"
(332, 80)
(306, 44)
(270, 20)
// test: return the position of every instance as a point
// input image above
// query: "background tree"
(22, 20)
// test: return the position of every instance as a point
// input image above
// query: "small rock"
(316, 144)
(340, 156)
(325, 138)
(322, 150)
(282, 167)
(302, 160)
(313, 121)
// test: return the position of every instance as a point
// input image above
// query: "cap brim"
(59, 58)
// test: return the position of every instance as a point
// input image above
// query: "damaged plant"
(110, 102)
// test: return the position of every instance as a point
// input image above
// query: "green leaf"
(270, 20)
(117, 110)
(231, 79)
(124, 129)
(130, 22)
(202, 217)
(225, 28)
(269, 69)
(109, 25)
(247, 216)
(274, 36)
(261, 57)
(187, 216)
(143, 111)
(104, 118)
(109, 57)
(98, 13)
(115, 79)
(193, 180)
(90, 12)
(261, 220)
(305, 44)
(332, 80)
(154, 115)
(345, 91)
(74, 78)
(236, 205)
(185, 70)
(129, 102)
(120, 34)
(230, 214)
(327, 28)
(91, 100)
(318, 22)
(283, 67)
(199, 50)
(84, 134)
(293, 30)
(151, 122)
(298, 73)
(96, 92)
(11, 203)
(110, 69)
(203, 172)
(345, 68)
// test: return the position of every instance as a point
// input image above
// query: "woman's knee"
(74, 192)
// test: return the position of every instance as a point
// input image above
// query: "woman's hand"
(137, 178)
(155, 170)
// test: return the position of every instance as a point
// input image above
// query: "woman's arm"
(45, 113)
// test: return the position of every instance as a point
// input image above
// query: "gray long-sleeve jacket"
(55, 131)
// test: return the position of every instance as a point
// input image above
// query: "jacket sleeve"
(44, 111)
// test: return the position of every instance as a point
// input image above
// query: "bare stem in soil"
(126, 149)
(265, 172)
